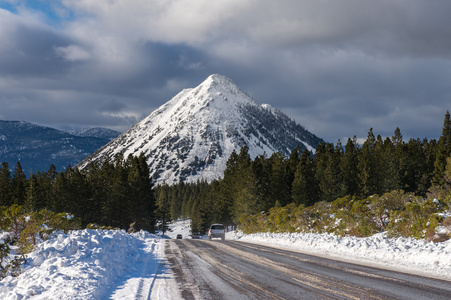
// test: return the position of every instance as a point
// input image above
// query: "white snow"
(102, 264)
(89, 264)
(400, 254)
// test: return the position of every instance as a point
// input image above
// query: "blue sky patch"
(52, 11)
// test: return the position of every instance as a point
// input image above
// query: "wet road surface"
(236, 270)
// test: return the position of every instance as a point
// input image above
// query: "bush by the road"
(23, 230)
(397, 213)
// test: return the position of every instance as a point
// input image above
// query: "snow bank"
(83, 264)
(401, 254)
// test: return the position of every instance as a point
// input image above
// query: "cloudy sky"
(338, 67)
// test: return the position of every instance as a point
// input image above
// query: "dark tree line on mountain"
(335, 171)
(115, 194)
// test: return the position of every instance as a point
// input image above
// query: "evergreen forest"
(116, 194)
(346, 189)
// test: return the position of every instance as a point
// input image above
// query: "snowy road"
(237, 270)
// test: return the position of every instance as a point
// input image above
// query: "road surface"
(237, 270)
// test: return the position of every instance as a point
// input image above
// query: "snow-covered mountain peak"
(218, 88)
(192, 136)
(219, 81)
(215, 100)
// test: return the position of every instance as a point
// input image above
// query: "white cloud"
(177, 21)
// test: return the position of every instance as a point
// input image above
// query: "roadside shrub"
(397, 213)
(353, 217)
(101, 227)
(415, 220)
(9, 265)
(382, 206)
(12, 220)
(301, 218)
(249, 224)
(281, 219)
(25, 230)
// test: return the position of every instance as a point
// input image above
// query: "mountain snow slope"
(191, 137)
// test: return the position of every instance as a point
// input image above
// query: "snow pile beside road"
(402, 254)
(83, 264)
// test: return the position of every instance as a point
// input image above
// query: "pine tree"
(320, 161)
(366, 167)
(163, 209)
(141, 194)
(116, 211)
(380, 166)
(279, 187)
(429, 149)
(206, 209)
(228, 188)
(261, 167)
(176, 200)
(79, 197)
(292, 164)
(244, 189)
(245, 200)
(305, 188)
(443, 151)
(212, 207)
(30, 191)
(348, 167)
(60, 190)
(396, 162)
(99, 182)
(414, 166)
(19, 185)
(52, 173)
(332, 177)
(6, 185)
(42, 191)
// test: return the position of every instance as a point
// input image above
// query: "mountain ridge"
(38, 147)
(98, 132)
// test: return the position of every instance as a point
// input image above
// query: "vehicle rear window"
(217, 227)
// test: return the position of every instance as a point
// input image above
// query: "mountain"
(38, 147)
(191, 137)
(98, 132)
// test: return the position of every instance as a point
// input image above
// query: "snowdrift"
(83, 264)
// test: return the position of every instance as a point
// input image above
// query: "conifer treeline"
(251, 186)
(117, 193)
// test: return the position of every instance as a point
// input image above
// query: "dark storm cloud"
(169, 62)
(337, 67)
(30, 51)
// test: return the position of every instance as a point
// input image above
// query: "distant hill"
(98, 132)
(37, 147)
(191, 137)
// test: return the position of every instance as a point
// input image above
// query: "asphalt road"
(236, 270)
